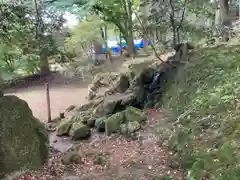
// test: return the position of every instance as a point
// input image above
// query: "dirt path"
(114, 157)
(61, 98)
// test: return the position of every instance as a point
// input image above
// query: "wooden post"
(48, 102)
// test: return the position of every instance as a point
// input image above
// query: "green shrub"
(204, 98)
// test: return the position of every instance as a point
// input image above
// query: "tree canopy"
(32, 32)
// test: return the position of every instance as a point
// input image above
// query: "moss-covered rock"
(64, 127)
(98, 111)
(109, 106)
(84, 119)
(79, 131)
(88, 106)
(135, 67)
(130, 127)
(78, 117)
(105, 108)
(84, 107)
(112, 124)
(70, 108)
(145, 77)
(72, 156)
(23, 139)
(134, 114)
(128, 99)
(91, 122)
(122, 84)
(100, 123)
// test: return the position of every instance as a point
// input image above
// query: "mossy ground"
(204, 100)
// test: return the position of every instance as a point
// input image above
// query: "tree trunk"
(129, 40)
(105, 39)
(226, 21)
(239, 9)
(218, 18)
(130, 45)
(44, 65)
(120, 43)
(145, 24)
(225, 12)
(173, 24)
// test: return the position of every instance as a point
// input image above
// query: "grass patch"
(204, 99)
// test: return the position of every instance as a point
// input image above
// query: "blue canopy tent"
(141, 43)
(113, 45)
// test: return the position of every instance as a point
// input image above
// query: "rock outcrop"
(79, 131)
(23, 139)
(138, 85)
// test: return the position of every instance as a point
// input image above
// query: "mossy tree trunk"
(226, 21)
(40, 38)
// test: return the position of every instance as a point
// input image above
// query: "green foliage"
(13, 24)
(204, 98)
(19, 50)
(115, 12)
(87, 31)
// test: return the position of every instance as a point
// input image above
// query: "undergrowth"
(204, 99)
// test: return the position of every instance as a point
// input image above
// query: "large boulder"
(101, 80)
(64, 127)
(122, 84)
(130, 127)
(90, 122)
(128, 99)
(98, 111)
(145, 77)
(100, 123)
(23, 139)
(115, 103)
(88, 106)
(65, 124)
(134, 114)
(112, 124)
(79, 131)
(108, 106)
(136, 67)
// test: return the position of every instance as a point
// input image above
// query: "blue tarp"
(116, 49)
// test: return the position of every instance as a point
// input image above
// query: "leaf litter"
(113, 157)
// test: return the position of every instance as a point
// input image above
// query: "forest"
(33, 34)
(165, 109)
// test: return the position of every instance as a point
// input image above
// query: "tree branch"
(183, 14)
(145, 32)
